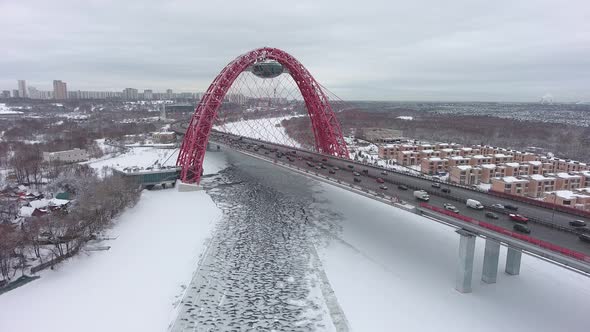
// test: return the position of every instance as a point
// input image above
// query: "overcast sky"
(501, 50)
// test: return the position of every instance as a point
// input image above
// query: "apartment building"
(510, 185)
(407, 158)
(540, 184)
(458, 161)
(501, 158)
(568, 181)
(480, 159)
(516, 169)
(434, 165)
(569, 198)
(490, 171)
(388, 151)
(465, 174)
(67, 156)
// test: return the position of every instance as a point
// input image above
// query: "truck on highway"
(422, 195)
(474, 204)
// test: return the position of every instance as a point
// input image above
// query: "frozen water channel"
(261, 270)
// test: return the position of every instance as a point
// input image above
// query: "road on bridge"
(457, 196)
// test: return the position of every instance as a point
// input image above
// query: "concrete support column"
(465, 263)
(491, 257)
(513, 261)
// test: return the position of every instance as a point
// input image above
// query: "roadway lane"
(345, 175)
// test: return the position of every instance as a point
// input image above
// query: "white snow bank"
(394, 270)
(132, 286)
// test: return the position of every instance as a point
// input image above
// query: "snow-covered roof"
(408, 152)
(512, 179)
(479, 156)
(26, 211)
(42, 203)
(447, 150)
(435, 159)
(512, 164)
(567, 175)
(459, 158)
(500, 155)
(427, 151)
(490, 166)
(463, 167)
(567, 194)
(539, 177)
(535, 162)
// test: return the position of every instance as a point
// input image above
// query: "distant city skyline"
(375, 50)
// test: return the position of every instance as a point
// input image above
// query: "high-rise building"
(15, 94)
(22, 88)
(169, 94)
(33, 93)
(148, 94)
(6, 94)
(60, 90)
(130, 94)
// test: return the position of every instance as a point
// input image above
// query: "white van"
(474, 204)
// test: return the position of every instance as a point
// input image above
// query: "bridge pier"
(491, 257)
(513, 261)
(464, 273)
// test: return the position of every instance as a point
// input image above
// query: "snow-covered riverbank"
(134, 285)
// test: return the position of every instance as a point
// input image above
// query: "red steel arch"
(326, 129)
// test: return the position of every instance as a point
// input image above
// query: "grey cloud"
(424, 50)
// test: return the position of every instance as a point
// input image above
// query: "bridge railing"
(529, 239)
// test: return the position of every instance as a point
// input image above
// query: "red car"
(519, 218)
(380, 180)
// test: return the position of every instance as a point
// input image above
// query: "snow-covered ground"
(268, 129)
(7, 110)
(394, 270)
(140, 156)
(135, 285)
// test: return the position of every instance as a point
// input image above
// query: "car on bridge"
(402, 187)
(350, 166)
(584, 237)
(578, 223)
(446, 190)
(332, 171)
(357, 180)
(436, 185)
(510, 207)
(450, 207)
(324, 159)
(310, 164)
(491, 215)
(380, 180)
(518, 218)
(521, 228)
(356, 173)
(384, 173)
(383, 187)
(365, 171)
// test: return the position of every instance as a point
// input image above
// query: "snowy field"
(268, 129)
(135, 285)
(140, 156)
(394, 271)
